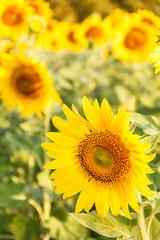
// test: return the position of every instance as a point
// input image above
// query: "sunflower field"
(79, 120)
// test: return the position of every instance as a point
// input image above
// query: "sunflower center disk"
(27, 82)
(12, 17)
(104, 157)
(147, 20)
(93, 32)
(71, 37)
(135, 38)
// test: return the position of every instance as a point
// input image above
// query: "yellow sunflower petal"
(88, 110)
(61, 138)
(84, 197)
(74, 120)
(115, 201)
(67, 128)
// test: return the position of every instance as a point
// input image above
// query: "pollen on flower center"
(27, 82)
(12, 16)
(104, 157)
(135, 38)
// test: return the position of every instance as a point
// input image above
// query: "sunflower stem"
(46, 202)
(141, 219)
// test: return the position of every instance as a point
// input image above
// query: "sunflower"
(93, 28)
(72, 42)
(36, 24)
(41, 8)
(133, 41)
(13, 18)
(114, 20)
(26, 84)
(149, 18)
(6, 45)
(53, 37)
(100, 158)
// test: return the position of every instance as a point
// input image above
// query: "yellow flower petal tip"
(100, 158)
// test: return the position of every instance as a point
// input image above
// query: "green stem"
(38, 208)
(150, 222)
(141, 219)
(46, 202)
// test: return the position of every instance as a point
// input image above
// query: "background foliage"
(75, 10)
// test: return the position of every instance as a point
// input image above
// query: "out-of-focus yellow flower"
(93, 28)
(149, 18)
(53, 37)
(13, 18)
(36, 24)
(133, 41)
(113, 21)
(41, 8)
(26, 84)
(72, 42)
(100, 158)
(6, 45)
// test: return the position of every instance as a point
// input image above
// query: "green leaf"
(5, 219)
(155, 178)
(18, 228)
(154, 231)
(9, 195)
(109, 226)
(24, 228)
(157, 203)
(69, 229)
(150, 123)
(153, 139)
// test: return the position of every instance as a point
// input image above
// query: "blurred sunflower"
(13, 18)
(149, 18)
(133, 41)
(26, 84)
(113, 21)
(93, 28)
(100, 158)
(53, 37)
(41, 8)
(6, 45)
(72, 42)
(36, 24)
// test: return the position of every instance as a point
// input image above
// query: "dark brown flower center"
(135, 38)
(28, 82)
(147, 20)
(12, 16)
(35, 7)
(71, 37)
(104, 157)
(93, 33)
